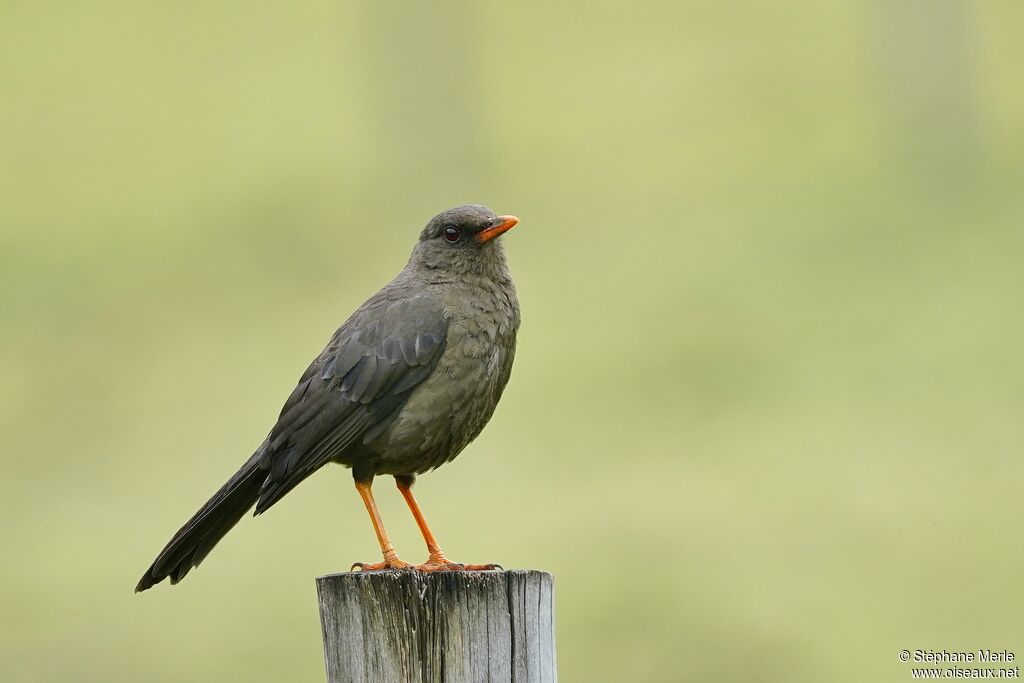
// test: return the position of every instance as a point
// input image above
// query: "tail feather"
(201, 533)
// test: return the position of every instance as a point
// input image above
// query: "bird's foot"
(440, 563)
(390, 562)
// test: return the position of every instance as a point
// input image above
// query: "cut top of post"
(442, 626)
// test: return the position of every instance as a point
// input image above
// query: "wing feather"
(355, 388)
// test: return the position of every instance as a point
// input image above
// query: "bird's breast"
(452, 406)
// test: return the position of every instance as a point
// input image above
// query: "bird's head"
(464, 240)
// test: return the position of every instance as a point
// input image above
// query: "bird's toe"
(394, 563)
(446, 565)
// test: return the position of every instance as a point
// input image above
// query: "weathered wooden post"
(455, 627)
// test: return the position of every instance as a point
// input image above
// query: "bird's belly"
(450, 408)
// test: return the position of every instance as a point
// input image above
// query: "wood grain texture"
(450, 627)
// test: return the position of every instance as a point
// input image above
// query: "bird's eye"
(452, 234)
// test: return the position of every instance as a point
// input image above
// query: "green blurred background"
(765, 422)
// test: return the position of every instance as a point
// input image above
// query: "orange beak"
(501, 225)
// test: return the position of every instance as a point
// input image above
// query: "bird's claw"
(445, 565)
(377, 566)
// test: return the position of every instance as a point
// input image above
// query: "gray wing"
(354, 389)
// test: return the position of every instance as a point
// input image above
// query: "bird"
(402, 387)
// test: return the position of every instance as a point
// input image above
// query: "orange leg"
(436, 561)
(391, 560)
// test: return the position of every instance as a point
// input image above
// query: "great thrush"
(402, 387)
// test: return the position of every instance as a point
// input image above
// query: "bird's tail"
(194, 540)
